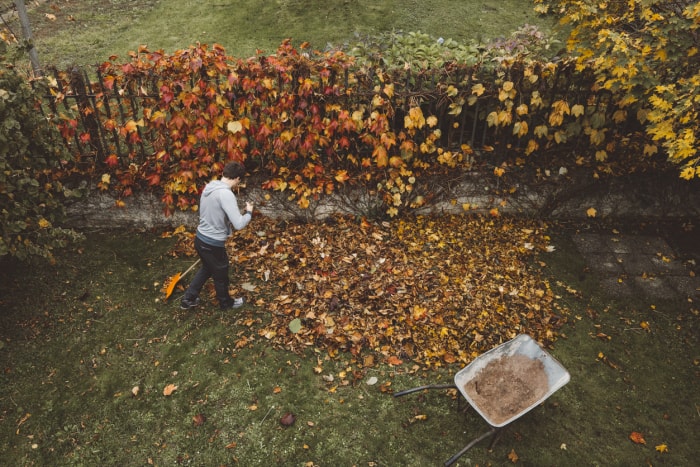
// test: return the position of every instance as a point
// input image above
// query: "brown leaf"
(288, 419)
(199, 419)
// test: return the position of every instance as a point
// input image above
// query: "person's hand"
(249, 207)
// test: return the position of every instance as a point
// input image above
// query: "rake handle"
(190, 268)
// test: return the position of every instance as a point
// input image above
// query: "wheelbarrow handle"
(420, 388)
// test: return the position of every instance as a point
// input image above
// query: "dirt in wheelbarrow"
(506, 387)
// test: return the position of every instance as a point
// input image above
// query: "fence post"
(27, 32)
(87, 111)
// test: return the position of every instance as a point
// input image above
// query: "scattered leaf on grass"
(372, 381)
(662, 448)
(288, 419)
(637, 438)
(199, 419)
(513, 456)
(169, 389)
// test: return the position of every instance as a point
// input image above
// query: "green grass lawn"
(89, 31)
(88, 347)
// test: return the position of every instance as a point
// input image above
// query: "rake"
(176, 278)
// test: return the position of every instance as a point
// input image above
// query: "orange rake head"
(172, 283)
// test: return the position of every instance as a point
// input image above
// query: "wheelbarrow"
(487, 401)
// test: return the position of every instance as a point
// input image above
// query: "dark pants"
(215, 265)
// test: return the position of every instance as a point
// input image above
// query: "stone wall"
(640, 197)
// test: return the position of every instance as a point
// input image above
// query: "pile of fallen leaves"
(432, 290)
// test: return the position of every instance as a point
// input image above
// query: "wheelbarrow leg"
(496, 437)
(492, 431)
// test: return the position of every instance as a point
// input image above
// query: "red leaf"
(112, 160)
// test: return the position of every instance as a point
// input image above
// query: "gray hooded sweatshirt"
(218, 210)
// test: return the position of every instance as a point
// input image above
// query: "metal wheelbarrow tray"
(487, 400)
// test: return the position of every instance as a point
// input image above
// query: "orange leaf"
(513, 456)
(637, 438)
(394, 360)
(169, 389)
(381, 155)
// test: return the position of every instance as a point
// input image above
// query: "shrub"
(31, 199)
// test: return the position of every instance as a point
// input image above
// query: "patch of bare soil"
(507, 386)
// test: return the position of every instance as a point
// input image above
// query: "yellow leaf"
(342, 176)
(650, 149)
(381, 155)
(661, 55)
(688, 173)
(662, 448)
(492, 119)
(389, 90)
(532, 146)
(577, 110)
(591, 212)
(520, 128)
(417, 117)
(478, 89)
(130, 126)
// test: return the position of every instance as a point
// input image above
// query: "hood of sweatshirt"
(213, 186)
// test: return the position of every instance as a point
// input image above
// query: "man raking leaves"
(218, 211)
